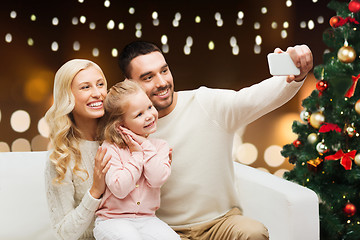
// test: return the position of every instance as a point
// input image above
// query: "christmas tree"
(326, 153)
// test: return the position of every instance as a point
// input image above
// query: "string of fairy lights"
(219, 22)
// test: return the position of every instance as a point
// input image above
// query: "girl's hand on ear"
(102, 165)
(131, 139)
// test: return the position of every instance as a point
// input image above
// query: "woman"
(75, 172)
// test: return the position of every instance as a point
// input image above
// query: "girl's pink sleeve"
(124, 172)
(157, 167)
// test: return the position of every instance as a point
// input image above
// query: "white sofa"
(288, 210)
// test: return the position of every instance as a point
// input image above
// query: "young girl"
(75, 171)
(139, 167)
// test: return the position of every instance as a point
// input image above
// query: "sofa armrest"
(23, 208)
(288, 210)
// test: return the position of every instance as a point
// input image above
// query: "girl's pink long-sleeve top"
(134, 179)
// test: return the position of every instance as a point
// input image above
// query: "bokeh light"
(110, 25)
(39, 143)
(235, 50)
(187, 50)
(82, 19)
(114, 52)
(92, 25)
(189, 41)
(4, 147)
(131, 10)
(274, 25)
(55, 21)
(20, 121)
(30, 41)
(272, 156)
(263, 169)
(282, 130)
(164, 39)
(75, 21)
(165, 48)
(211, 45)
(257, 49)
(36, 89)
(54, 46)
(13, 14)
(8, 38)
(197, 19)
(20, 145)
(76, 46)
(33, 17)
(43, 128)
(246, 153)
(95, 52)
(280, 172)
(311, 25)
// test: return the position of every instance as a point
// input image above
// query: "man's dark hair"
(131, 51)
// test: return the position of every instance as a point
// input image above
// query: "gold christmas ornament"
(357, 159)
(316, 119)
(312, 138)
(346, 54)
(357, 106)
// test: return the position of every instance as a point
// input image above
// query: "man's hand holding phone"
(295, 63)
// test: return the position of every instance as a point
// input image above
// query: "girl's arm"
(125, 170)
(156, 162)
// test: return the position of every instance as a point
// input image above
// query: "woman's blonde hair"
(64, 135)
(115, 105)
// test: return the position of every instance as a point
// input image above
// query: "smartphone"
(281, 64)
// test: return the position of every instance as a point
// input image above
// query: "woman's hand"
(101, 167)
(131, 139)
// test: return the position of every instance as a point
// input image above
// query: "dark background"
(218, 68)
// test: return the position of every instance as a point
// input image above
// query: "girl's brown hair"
(115, 105)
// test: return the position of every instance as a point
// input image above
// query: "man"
(199, 199)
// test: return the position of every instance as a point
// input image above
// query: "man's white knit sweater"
(200, 130)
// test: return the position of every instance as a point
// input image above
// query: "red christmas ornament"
(334, 21)
(349, 209)
(297, 143)
(322, 85)
(354, 6)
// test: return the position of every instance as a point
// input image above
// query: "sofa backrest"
(23, 207)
